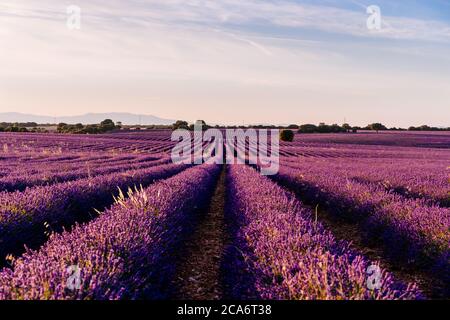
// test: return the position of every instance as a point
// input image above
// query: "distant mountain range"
(89, 118)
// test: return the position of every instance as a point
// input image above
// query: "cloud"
(252, 43)
(220, 14)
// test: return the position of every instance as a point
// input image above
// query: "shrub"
(287, 135)
(307, 128)
(376, 127)
(180, 124)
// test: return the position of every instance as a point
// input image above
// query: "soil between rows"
(431, 287)
(198, 275)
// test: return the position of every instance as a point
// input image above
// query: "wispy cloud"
(241, 13)
(252, 43)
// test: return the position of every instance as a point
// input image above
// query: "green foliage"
(427, 128)
(307, 128)
(201, 123)
(21, 127)
(323, 128)
(104, 126)
(376, 127)
(180, 124)
(107, 125)
(287, 135)
(347, 127)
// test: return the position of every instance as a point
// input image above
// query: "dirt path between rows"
(199, 272)
(432, 288)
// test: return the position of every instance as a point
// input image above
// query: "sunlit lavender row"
(26, 217)
(289, 255)
(124, 254)
(411, 229)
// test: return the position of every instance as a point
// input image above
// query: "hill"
(89, 118)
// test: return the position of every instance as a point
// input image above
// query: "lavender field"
(110, 216)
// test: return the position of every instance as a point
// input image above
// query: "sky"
(229, 61)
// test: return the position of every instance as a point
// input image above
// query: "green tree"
(107, 125)
(61, 128)
(307, 128)
(180, 124)
(376, 127)
(287, 135)
(200, 122)
(347, 127)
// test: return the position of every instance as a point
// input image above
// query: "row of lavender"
(412, 230)
(43, 174)
(127, 253)
(412, 178)
(36, 163)
(280, 252)
(430, 140)
(154, 142)
(26, 216)
(159, 142)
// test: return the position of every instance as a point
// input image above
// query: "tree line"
(20, 127)
(106, 125)
(312, 128)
